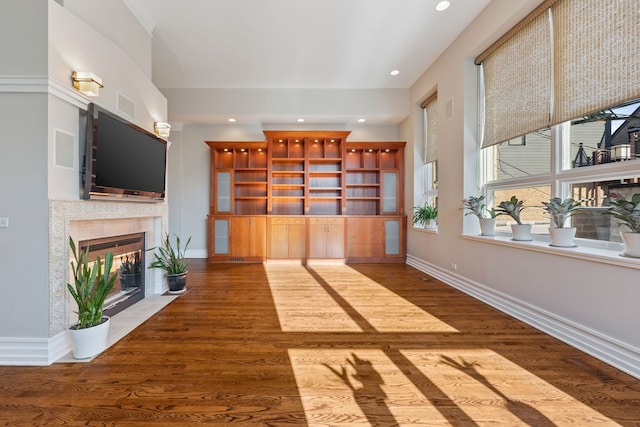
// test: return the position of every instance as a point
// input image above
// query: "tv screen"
(121, 160)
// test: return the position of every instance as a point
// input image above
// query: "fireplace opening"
(128, 264)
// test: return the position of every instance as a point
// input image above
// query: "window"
(583, 159)
(428, 185)
(565, 79)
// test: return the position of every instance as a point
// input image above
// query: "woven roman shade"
(517, 83)
(597, 64)
(430, 106)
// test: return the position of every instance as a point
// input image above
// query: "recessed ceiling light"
(394, 72)
(231, 120)
(443, 5)
(300, 120)
(362, 120)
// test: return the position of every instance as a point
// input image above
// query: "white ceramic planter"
(431, 224)
(487, 226)
(521, 232)
(631, 244)
(89, 342)
(562, 237)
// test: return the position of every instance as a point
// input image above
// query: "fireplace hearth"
(129, 265)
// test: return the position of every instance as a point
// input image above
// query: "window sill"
(601, 255)
(426, 230)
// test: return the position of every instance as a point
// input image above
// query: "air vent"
(126, 105)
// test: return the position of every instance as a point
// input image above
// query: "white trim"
(609, 255)
(33, 351)
(608, 349)
(196, 253)
(43, 84)
(24, 84)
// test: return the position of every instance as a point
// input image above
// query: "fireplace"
(128, 264)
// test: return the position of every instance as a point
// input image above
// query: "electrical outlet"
(454, 266)
(4, 222)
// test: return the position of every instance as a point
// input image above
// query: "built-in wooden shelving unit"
(299, 180)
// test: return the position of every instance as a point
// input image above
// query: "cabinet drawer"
(287, 220)
(326, 221)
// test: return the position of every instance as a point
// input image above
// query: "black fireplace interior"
(128, 263)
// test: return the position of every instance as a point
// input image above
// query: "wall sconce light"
(162, 129)
(87, 83)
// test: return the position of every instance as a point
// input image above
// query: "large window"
(560, 98)
(584, 159)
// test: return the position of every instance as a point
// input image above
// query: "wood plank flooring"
(325, 345)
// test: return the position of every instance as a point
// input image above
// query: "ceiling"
(297, 44)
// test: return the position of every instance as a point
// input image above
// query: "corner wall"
(591, 305)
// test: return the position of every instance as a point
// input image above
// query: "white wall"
(114, 20)
(590, 304)
(41, 43)
(24, 259)
(23, 171)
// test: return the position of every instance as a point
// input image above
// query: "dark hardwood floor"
(325, 345)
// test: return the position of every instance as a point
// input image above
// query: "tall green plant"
(170, 259)
(91, 286)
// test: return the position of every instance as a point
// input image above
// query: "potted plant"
(475, 206)
(131, 271)
(628, 214)
(426, 216)
(559, 211)
(89, 290)
(171, 260)
(513, 208)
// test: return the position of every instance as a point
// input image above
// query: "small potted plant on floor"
(171, 259)
(513, 208)
(91, 286)
(475, 205)
(628, 214)
(426, 216)
(559, 212)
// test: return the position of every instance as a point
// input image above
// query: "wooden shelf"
(298, 174)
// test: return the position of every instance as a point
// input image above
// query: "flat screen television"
(120, 160)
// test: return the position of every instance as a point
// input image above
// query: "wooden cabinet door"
(365, 238)
(287, 238)
(218, 230)
(297, 240)
(248, 237)
(326, 238)
(279, 239)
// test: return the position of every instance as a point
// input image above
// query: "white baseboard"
(33, 351)
(45, 351)
(196, 253)
(605, 348)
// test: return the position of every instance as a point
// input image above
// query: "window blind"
(430, 117)
(518, 84)
(597, 64)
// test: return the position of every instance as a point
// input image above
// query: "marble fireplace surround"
(87, 219)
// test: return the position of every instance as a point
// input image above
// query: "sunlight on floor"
(292, 287)
(346, 386)
(368, 386)
(350, 301)
(467, 376)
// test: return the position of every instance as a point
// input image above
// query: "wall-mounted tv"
(121, 160)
